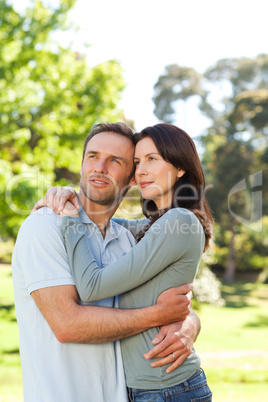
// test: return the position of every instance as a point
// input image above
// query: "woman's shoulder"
(183, 214)
(178, 221)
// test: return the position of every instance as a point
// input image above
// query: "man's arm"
(76, 323)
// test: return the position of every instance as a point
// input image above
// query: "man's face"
(106, 168)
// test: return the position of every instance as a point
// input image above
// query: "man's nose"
(101, 166)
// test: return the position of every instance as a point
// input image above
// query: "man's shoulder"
(40, 231)
(42, 221)
(117, 227)
(43, 216)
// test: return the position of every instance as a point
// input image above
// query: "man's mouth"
(98, 181)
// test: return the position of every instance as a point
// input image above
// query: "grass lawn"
(233, 343)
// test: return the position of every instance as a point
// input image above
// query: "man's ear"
(132, 181)
(180, 173)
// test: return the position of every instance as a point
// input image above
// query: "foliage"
(10, 370)
(233, 95)
(251, 248)
(6, 249)
(177, 83)
(207, 288)
(49, 99)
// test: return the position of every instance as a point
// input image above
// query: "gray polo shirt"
(53, 371)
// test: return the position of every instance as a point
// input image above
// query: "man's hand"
(174, 340)
(56, 198)
(174, 304)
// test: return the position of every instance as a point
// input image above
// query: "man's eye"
(116, 161)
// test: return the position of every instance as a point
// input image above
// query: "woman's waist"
(138, 370)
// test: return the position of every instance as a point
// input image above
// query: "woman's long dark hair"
(176, 147)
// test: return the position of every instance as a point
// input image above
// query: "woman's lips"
(144, 184)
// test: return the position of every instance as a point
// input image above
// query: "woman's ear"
(180, 173)
(133, 181)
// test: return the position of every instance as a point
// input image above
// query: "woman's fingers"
(69, 210)
(50, 198)
(40, 204)
(56, 198)
(68, 195)
(46, 201)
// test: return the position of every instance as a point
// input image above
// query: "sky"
(147, 35)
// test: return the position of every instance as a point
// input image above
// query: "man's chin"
(108, 202)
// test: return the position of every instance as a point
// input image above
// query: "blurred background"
(66, 65)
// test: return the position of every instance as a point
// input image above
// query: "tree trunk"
(229, 275)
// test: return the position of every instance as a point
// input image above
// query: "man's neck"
(99, 214)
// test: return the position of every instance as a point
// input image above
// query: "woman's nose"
(140, 169)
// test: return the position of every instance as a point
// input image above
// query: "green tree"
(230, 163)
(49, 100)
(233, 95)
(176, 84)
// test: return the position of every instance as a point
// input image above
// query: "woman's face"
(155, 177)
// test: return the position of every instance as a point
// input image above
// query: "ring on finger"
(174, 357)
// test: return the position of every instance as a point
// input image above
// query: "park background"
(66, 65)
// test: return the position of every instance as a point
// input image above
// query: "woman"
(171, 180)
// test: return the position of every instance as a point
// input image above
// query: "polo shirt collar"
(84, 216)
(112, 231)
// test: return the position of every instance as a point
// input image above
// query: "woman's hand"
(56, 198)
(69, 210)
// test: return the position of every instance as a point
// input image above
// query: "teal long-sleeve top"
(167, 256)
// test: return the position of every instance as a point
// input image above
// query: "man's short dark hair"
(117, 128)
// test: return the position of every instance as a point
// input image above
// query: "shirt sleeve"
(40, 253)
(133, 225)
(164, 243)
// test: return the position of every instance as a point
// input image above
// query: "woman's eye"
(151, 158)
(136, 163)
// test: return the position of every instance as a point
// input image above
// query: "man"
(61, 355)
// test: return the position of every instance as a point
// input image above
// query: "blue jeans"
(195, 389)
